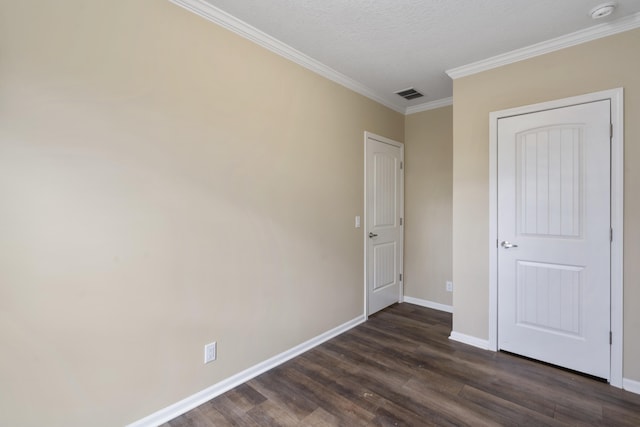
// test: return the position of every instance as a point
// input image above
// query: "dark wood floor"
(400, 369)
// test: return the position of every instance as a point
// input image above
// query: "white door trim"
(617, 204)
(400, 145)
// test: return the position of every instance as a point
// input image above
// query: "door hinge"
(400, 221)
(610, 337)
(611, 234)
(401, 277)
(610, 130)
(401, 165)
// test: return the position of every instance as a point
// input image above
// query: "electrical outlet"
(210, 352)
(449, 286)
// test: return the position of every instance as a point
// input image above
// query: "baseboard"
(631, 385)
(197, 399)
(428, 304)
(468, 339)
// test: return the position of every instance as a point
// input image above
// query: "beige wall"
(164, 184)
(428, 188)
(602, 64)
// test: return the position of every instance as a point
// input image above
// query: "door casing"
(617, 203)
(400, 145)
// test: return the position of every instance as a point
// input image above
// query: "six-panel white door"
(554, 236)
(383, 227)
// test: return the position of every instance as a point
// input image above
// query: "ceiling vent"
(410, 93)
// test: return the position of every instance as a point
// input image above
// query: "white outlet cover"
(210, 352)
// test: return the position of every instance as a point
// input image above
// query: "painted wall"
(602, 64)
(428, 193)
(164, 184)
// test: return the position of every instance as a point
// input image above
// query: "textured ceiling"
(389, 45)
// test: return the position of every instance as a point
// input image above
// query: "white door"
(383, 222)
(554, 236)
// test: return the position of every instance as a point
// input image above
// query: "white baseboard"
(197, 399)
(428, 304)
(631, 385)
(468, 339)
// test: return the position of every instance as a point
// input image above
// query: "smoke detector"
(602, 10)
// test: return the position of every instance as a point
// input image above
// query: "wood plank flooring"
(400, 369)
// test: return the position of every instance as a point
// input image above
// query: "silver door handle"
(371, 235)
(507, 245)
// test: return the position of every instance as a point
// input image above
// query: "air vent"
(410, 93)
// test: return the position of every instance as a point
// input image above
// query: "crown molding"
(578, 37)
(231, 23)
(432, 105)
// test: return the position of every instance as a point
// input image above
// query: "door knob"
(372, 235)
(507, 245)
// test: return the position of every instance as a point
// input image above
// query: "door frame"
(400, 145)
(616, 97)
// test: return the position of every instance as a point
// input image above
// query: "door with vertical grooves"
(554, 236)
